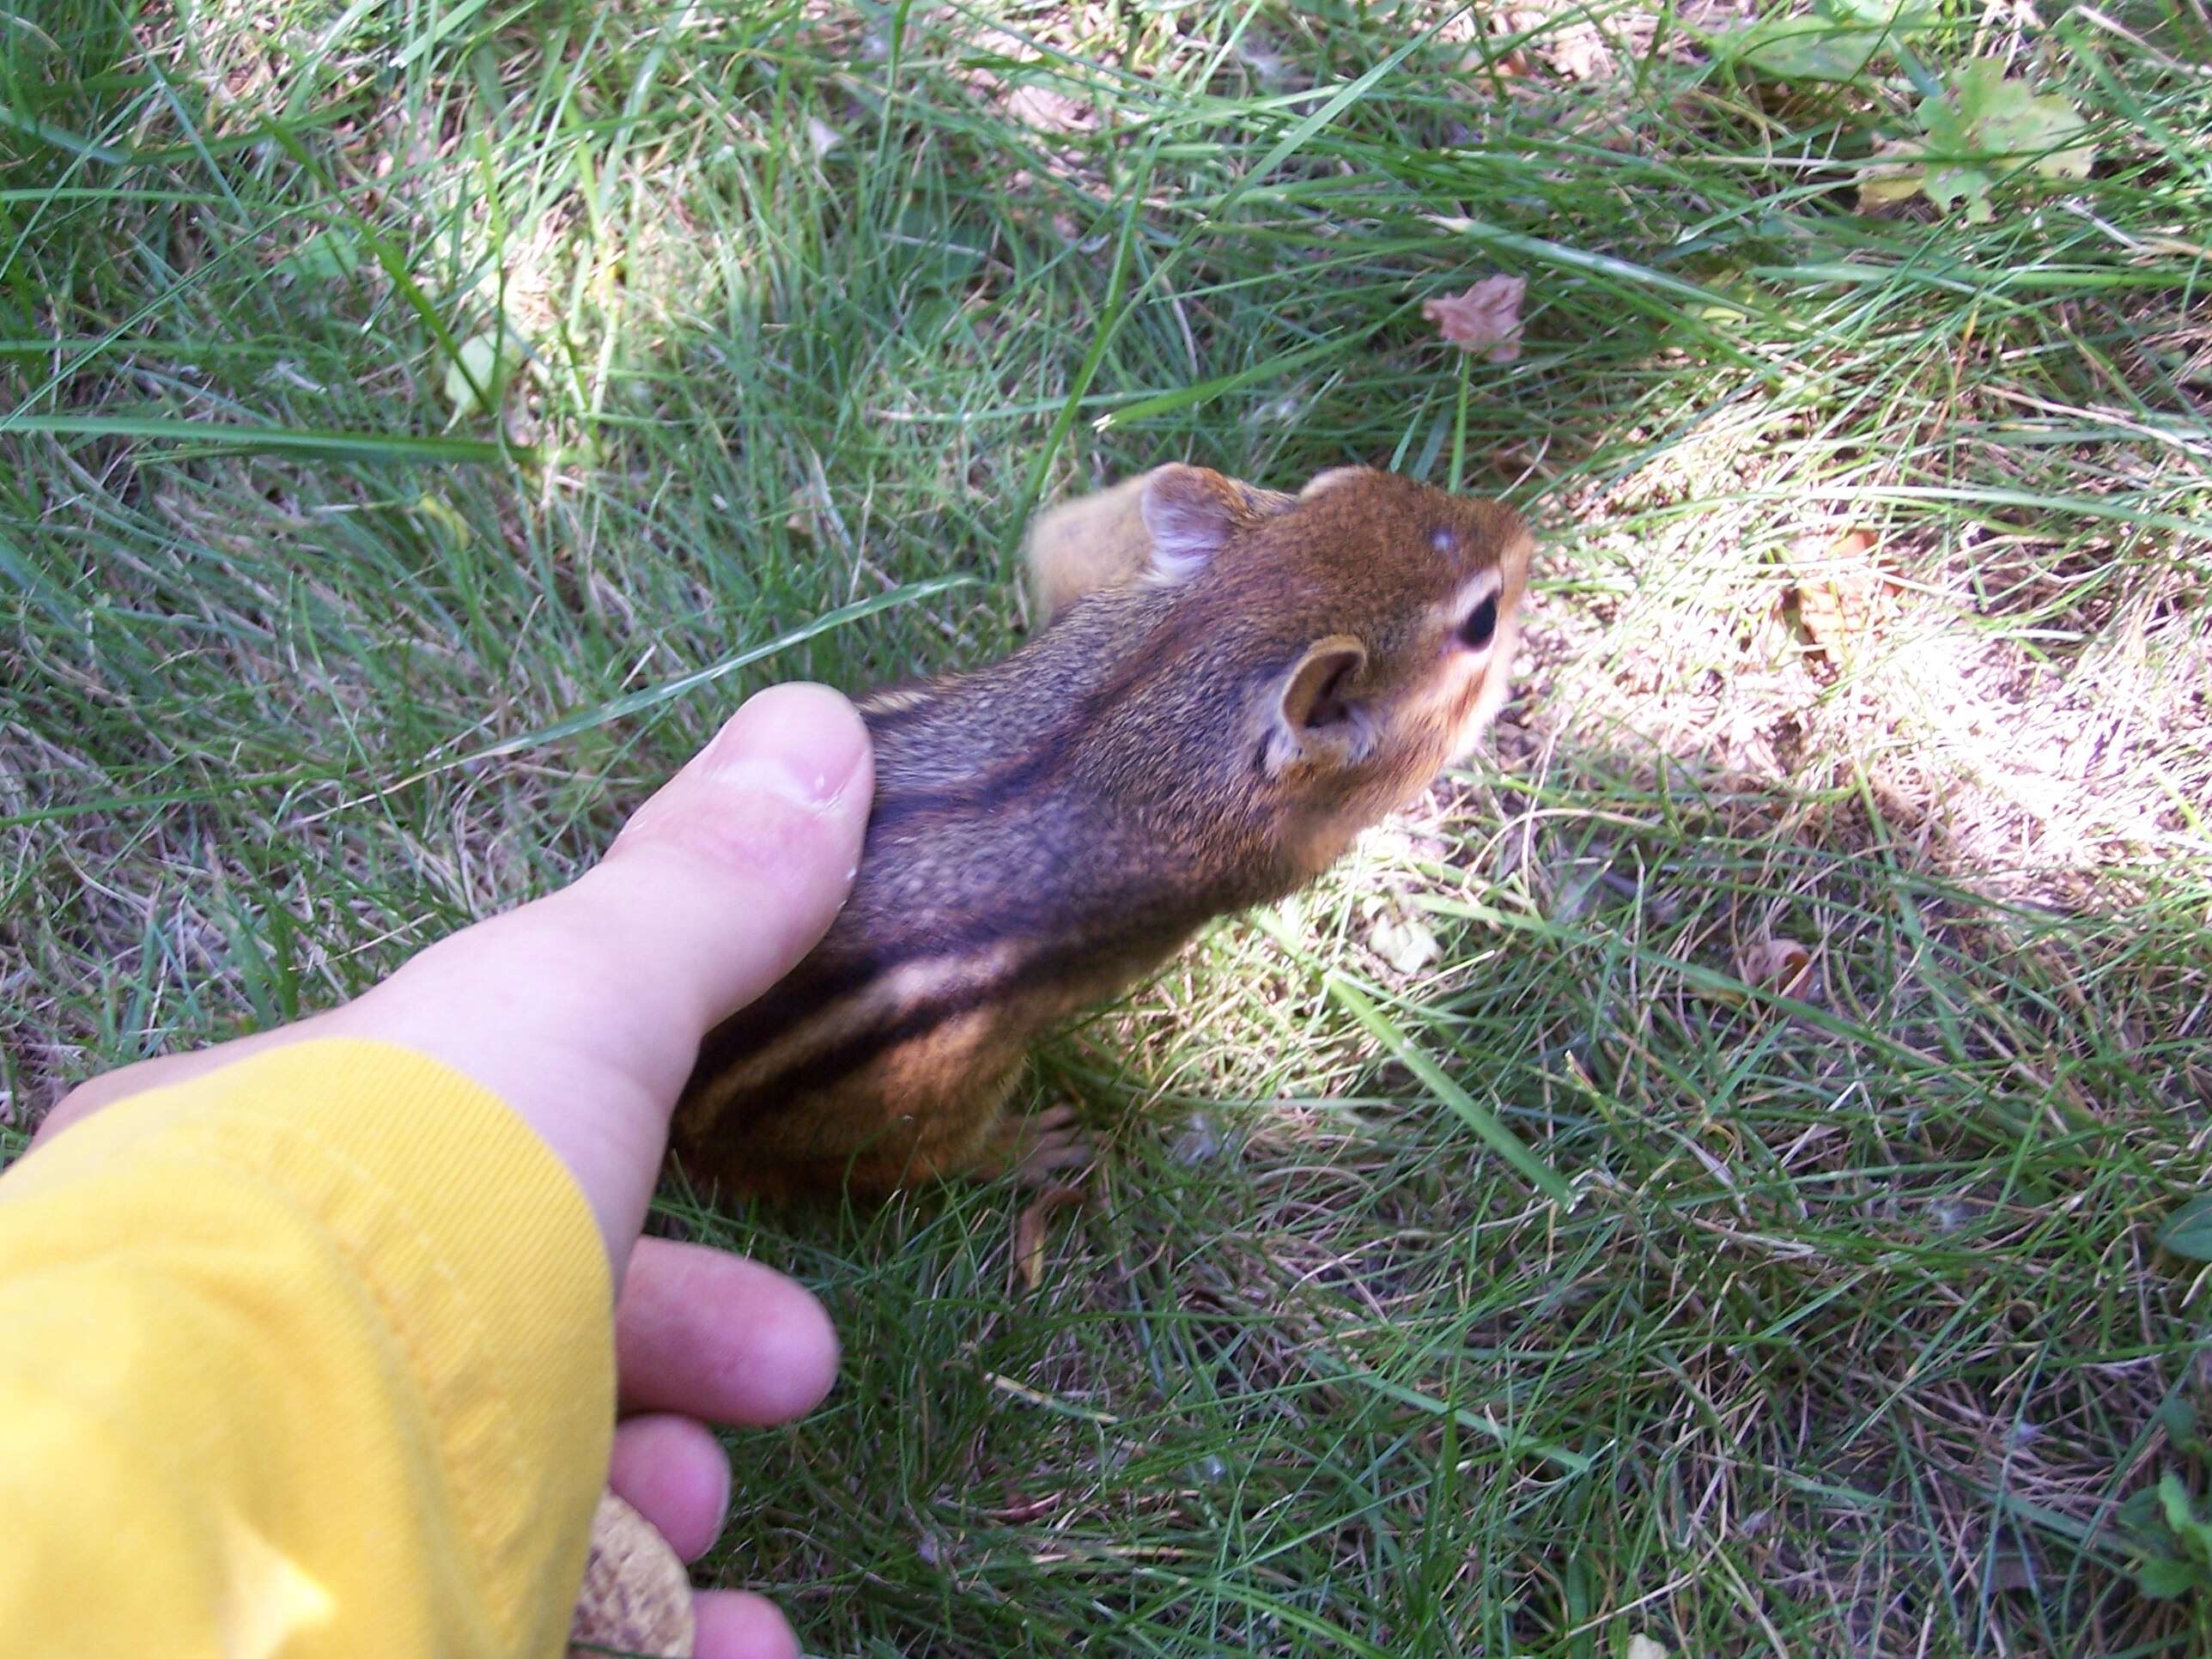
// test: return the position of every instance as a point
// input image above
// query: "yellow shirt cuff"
(311, 1354)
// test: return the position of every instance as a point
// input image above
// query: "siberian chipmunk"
(1231, 683)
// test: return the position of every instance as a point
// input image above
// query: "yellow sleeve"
(312, 1355)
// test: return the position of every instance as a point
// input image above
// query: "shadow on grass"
(1836, 1312)
(1857, 1329)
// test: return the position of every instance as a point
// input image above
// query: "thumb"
(584, 1009)
(713, 891)
(724, 878)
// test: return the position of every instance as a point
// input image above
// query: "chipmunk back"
(1233, 684)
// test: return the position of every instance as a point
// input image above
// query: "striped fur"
(1050, 829)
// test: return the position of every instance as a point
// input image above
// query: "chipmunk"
(1232, 683)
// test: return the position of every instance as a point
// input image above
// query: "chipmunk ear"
(1190, 512)
(1330, 480)
(1319, 717)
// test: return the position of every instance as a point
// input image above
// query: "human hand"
(583, 1011)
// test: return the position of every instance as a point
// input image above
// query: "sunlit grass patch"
(1871, 621)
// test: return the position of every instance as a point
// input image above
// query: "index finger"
(712, 1335)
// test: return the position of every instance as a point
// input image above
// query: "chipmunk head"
(1378, 615)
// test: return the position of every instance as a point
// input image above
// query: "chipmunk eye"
(1481, 623)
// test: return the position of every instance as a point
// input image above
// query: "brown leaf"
(1476, 64)
(1853, 545)
(1780, 965)
(636, 1595)
(1841, 594)
(1047, 110)
(1487, 314)
(1028, 1230)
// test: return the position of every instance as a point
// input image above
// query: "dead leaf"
(1042, 109)
(1405, 942)
(1780, 965)
(1487, 315)
(1028, 1230)
(636, 1595)
(1021, 1511)
(1479, 64)
(2012, 1571)
(1841, 596)
(1579, 52)
(1834, 614)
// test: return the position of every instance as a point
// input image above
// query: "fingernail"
(802, 742)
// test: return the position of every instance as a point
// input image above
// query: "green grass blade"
(226, 438)
(1486, 1123)
(653, 696)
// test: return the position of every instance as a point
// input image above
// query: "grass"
(1857, 1338)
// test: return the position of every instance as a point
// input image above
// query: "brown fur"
(1234, 683)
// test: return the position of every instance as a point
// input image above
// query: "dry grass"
(1872, 618)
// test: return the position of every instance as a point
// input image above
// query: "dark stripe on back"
(989, 793)
(1053, 749)
(815, 982)
(825, 978)
(780, 1091)
(791, 999)
(883, 720)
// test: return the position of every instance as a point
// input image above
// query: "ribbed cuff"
(473, 1239)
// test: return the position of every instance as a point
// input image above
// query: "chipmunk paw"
(1034, 1149)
